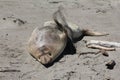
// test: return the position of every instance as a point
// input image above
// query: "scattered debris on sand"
(110, 65)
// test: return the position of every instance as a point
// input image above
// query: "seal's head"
(46, 44)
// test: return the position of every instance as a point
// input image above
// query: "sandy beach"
(18, 18)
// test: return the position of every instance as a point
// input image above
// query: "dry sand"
(99, 15)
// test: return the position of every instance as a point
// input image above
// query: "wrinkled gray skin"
(47, 43)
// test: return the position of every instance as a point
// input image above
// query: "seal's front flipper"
(61, 22)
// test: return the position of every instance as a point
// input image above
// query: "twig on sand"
(94, 46)
(103, 52)
(10, 70)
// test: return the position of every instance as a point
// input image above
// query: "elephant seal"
(47, 43)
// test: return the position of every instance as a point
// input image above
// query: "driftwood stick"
(100, 47)
(107, 44)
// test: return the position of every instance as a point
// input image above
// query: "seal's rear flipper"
(87, 32)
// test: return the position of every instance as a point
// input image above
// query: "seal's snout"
(45, 55)
(45, 59)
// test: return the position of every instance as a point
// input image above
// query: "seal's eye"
(49, 53)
